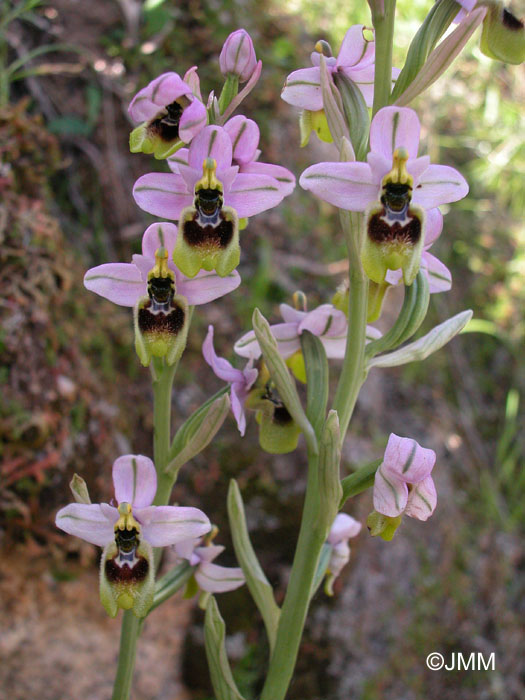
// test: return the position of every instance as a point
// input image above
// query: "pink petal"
(390, 493)
(206, 286)
(218, 579)
(252, 194)
(220, 366)
(160, 92)
(209, 552)
(417, 167)
(354, 48)
(87, 522)
(334, 347)
(180, 157)
(439, 276)
(121, 283)
(364, 79)
(135, 480)
(285, 179)
(433, 226)
(212, 142)
(247, 346)
(303, 89)
(165, 525)
(185, 548)
(162, 194)
(343, 527)
(422, 500)
(244, 134)
(191, 78)
(346, 185)
(160, 235)
(439, 184)
(395, 127)
(291, 315)
(325, 320)
(405, 459)
(193, 119)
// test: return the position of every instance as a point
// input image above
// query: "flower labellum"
(503, 35)
(161, 318)
(394, 229)
(208, 231)
(170, 114)
(210, 577)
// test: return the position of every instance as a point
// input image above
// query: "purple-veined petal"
(355, 49)
(206, 286)
(346, 185)
(166, 525)
(379, 166)
(87, 522)
(439, 276)
(180, 157)
(248, 346)
(390, 493)
(439, 184)
(185, 549)
(303, 89)
(191, 78)
(159, 235)
(252, 194)
(422, 500)
(343, 527)
(334, 347)
(121, 283)
(218, 579)
(325, 320)
(287, 338)
(417, 167)
(220, 366)
(209, 552)
(212, 142)
(433, 226)
(160, 92)
(364, 79)
(285, 179)
(407, 460)
(238, 395)
(244, 134)
(291, 315)
(192, 120)
(145, 265)
(395, 127)
(135, 480)
(162, 194)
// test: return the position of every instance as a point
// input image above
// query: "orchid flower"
(210, 577)
(241, 381)
(126, 283)
(326, 322)
(403, 482)
(245, 134)
(129, 531)
(399, 191)
(238, 56)
(170, 113)
(343, 528)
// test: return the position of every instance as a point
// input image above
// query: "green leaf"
(192, 424)
(359, 481)
(220, 672)
(425, 346)
(171, 582)
(330, 491)
(282, 378)
(322, 566)
(333, 106)
(356, 113)
(316, 365)
(202, 434)
(258, 585)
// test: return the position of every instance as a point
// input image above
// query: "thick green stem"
(384, 39)
(352, 374)
(131, 625)
(296, 602)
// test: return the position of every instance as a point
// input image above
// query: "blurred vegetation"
(68, 72)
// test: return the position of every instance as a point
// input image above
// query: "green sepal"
(379, 257)
(228, 92)
(143, 140)
(190, 259)
(503, 36)
(192, 588)
(135, 596)
(356, 114)
(79, 490)
(276, 437)
(297, 367)
(160, 344)
(382, 525)
(314, 121)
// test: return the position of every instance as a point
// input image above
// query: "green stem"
(129, 633)
(352, 373)
(296, 602)
(384, 39)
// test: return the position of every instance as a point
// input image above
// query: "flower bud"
(161, 318)
(208, 231)
(503, 35)
(278, 432)
(79, 489)
(238, 56)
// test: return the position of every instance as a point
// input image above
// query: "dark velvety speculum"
(396, 196)
(167, 127)
(161, 289)
(208, 201)
(197, 235)
(171, 322)
(281, 415)
(125, 573)
(380, 231)
(127, 540)
(511, 22)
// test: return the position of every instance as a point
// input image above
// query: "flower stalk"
(384, 37)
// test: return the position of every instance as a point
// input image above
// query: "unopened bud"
(79, 489)
(238, 56)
